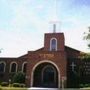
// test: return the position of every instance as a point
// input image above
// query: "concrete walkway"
(36, 88)
(39, 88)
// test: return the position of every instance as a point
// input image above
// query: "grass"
(88, 88)
(12, 88)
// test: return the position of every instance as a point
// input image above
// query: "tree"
(1, 50)
(19, 77)
(87, 37)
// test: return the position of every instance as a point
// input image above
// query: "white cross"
(55, 25)
(54, 28)
(73, 66)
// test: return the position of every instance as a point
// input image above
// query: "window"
(24, 66)
(2, 67)
(13, 67)
(53, 44)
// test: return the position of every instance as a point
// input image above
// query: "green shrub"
(22, 85)
(0, 82)
(81, 85)
(4, 84)
(19, 78)
(16, 85)
(11, 75)
(86, 85)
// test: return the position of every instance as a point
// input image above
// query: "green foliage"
(84, 85)
(87, 37)
(18, 85)
(12, 88)
(86, 56)
(11, 75)
(22, 85)
(0, 82)
(19, 78)
(4, 84)
(81, 85)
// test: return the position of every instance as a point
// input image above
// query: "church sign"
(47, 55)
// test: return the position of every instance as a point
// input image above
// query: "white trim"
(51, 44)
(11, 67)
(4, 65)
(23, 65)
(44, 61)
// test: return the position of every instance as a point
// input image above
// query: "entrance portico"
(45, 74)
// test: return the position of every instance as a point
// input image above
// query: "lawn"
(12, 88)
(86, 88)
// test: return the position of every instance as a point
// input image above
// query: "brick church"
(54, 65)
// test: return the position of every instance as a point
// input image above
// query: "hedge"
(18, 85)
(4, 84)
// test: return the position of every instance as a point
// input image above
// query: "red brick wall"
(72, 53)
(8, 61)
(59, 58)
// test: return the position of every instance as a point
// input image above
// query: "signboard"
(47, 55)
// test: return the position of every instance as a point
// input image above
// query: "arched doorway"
(45, 75)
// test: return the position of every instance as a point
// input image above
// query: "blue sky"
(24, 22)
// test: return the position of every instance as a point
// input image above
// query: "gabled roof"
(67, 47)
(41, 49)
(23, 56)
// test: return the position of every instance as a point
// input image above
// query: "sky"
(23, 24)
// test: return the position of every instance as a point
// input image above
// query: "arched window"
(13, 67)
(2, 67)
(24, 67)
(53, 44)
